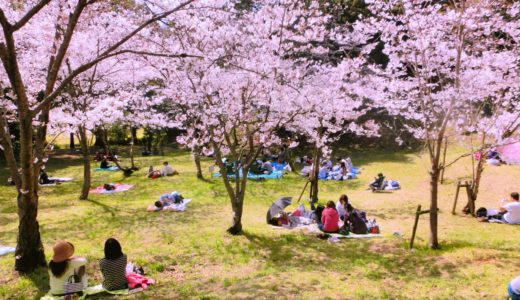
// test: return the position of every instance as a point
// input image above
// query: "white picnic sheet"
(6, 250)
(314, 229)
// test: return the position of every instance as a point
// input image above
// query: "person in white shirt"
(509, 212)
(66, 272)
(167, 170)
(340, 207)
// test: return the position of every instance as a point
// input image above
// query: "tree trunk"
(434, 187)
(72, 145)
(313, 177)
(132, 141)
(100, 138)
(133, 132)
(196, 158)
(237, 206)
(29, 249)
(86, 163)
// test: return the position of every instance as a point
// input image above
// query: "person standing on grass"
(113, 266)
(66, 272)
(329, 218)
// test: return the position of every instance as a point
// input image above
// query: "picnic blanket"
(118, 188)
(313, 228)
(61, 179)
(172, 207)
(279, 166)
(6, 250)
(112, 168)
(93, 290)
(272, 175)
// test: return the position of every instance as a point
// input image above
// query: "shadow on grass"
(378, 260)
(105, 207)
(40, 279)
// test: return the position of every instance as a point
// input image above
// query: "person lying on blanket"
(509, 212)
(167, 200)
(66, 272)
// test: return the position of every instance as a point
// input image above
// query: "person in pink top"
(330, 218)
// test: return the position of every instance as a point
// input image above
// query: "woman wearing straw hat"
(66, 272)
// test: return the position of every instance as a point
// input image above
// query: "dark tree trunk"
(313, 177)
(196, 158)
(237, 206)
(29, 249)
(434, 187)
(86, 163)
(132, 142)
(133, 132)
(72, 145)
(99, 133)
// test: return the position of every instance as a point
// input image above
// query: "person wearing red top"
(330, 218)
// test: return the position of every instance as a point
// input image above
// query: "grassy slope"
(191, 257)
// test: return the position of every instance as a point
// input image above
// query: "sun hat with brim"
(62, 251)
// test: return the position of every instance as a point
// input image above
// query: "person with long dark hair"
(113, 266)
(66, 272)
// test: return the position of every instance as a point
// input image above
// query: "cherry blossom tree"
(40, 40)
(444, 58)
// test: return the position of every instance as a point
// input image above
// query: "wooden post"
(415, 226)
(456, 198)
(303, 191)
(418, 213)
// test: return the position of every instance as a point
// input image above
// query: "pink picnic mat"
(119, 188)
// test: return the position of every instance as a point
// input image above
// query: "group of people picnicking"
(340, 217)
(67, 274)
(343, 170)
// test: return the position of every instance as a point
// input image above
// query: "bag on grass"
(109, 187)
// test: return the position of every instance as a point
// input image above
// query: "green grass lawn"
(191, 256)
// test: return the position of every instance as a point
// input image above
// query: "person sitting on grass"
(44, 178)
(113, 266)
(167, 170)
(104, 163)
(329, 219)
(513, 289)
(510, 211)
(341, 207)
(267, 168)
(66, 272)
(356, 220)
